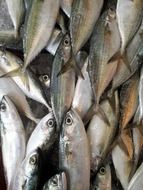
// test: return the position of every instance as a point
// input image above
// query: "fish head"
(66, 48)
(8, 111)
(32, 162)
(57, 182)
(48, 124)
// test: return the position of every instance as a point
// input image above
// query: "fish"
(136, 181)
(103, 179)
(27, 176)
(8, 87)
(84, 15)
(129, 16)
(66, 6)
(43, 136)
(62, 86)
(83, 92)
(100, 135)
(12, 138)
(11, 66)
(54, 41)
(105, 41)
(36, 26)
(133, 54)
(16, 10)
(123, 164)
(75, 163)
(56, 182)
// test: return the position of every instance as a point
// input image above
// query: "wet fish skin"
(28, 174)
(16, 10)
(100, 139)
(132, 12)
(83, 93)
(140, 94)
(62, 86)
(103, 179)
(57, 182)
(84, 15)
(105, 41)
(37, 26)
(13, 139)
(44, 134)
(76, 163)
(9, 62)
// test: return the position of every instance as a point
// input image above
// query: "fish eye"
(102, 170)
(66, 41)
(50, 123)
(2, 107)
(54, 182)
(45, 78)
(68, 120)
(33, 160)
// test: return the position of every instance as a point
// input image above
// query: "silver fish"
(84, 15)
(11, 64)
(103, 179)
(57, 182)
(38, 29)
(43, 135)
(76, 163)
(27, 177)
(62, 86)
(100, 135)
(83, 93)
(105, 42)
(16, 10)
(13, 139)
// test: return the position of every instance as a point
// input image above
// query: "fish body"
(83, 93)
(13, 139)
(75, 163)
(62, 86)
(105, 41)
(100, 135)
(40, 23)
(84, 15)
(43, 135)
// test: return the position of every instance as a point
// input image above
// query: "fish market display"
(71, 94)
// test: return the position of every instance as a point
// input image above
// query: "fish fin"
(123, 146)
(112, 101)
(71, 64)
(17, 72)
(115, 57)
(90, 113)
(102, 115)
(125, 59)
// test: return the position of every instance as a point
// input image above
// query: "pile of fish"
(71, 94)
